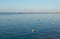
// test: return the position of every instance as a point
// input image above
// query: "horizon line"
(29, 12)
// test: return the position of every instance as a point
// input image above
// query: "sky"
(29, 5)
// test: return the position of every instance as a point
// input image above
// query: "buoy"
(33, 30)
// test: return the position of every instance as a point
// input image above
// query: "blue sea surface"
(19, 26)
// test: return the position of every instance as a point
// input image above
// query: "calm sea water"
(19, 26)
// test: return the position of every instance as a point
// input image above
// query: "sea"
(29, 26)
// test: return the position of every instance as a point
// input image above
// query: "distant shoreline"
(29, 13)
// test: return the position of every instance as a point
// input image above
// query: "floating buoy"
(33, 30)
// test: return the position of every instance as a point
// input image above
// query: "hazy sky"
(29, 5)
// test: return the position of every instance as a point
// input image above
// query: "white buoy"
(33, 30)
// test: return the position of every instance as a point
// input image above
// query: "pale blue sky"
(29, 5)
